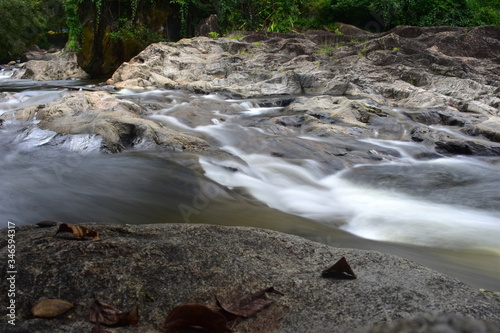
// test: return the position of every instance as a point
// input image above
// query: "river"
(441, 212)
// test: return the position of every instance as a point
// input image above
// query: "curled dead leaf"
(340, 270)
(102, 313)
(196, 315)
(50, 308)
(78, 231)
(249, 305)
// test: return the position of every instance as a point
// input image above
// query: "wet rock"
(157, 267)
(461, 147)
(120, 123)
(329, 116)
(439, 117)
(489, 129)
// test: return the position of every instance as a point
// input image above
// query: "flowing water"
(441, 212)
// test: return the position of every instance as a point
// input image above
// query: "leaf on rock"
(46, 224)
(99, 329)
(340, 270)
(50, 308)
(79, 232)
(249, 305)
(196, 315)
(102, 313)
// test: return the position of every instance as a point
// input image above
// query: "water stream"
(442, 212)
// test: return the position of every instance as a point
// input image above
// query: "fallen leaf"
(340, 270)
(102, 313)
(79, 232)
(99, 329)
(46, 224)
(196, 315)
(249, 305)
(50, 308)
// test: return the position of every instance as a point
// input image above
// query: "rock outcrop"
(411, 66)
(441, 76)
(49, 67)
(157, 267)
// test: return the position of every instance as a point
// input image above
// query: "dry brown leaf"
(102, 313)
(50, 308)
(196, 315)
(340, 270)
(249, 305)
(78, 231)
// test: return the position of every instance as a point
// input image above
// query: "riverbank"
(157, 267)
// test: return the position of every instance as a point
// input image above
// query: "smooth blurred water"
(430, 210)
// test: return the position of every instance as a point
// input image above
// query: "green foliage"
(27, 22)
(138, 34)
(183, 14)
(213, 34)
(289, 15)
(74, 25)
(385, 14)
(22, 24)
(126, 28)
(250, 15)
(192, 11)
(484, 12)
(329, 48)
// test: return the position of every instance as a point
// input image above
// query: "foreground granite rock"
(158, 267)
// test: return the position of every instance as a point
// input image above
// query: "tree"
(20, 26)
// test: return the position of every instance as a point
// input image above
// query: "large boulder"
(157, 267)
(57, 66)
(120, 123)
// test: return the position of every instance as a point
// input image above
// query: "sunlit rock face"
(101, 55)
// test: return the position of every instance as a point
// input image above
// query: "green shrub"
(135, 33)
(21, 25)
(385, 14)
(484, 12)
